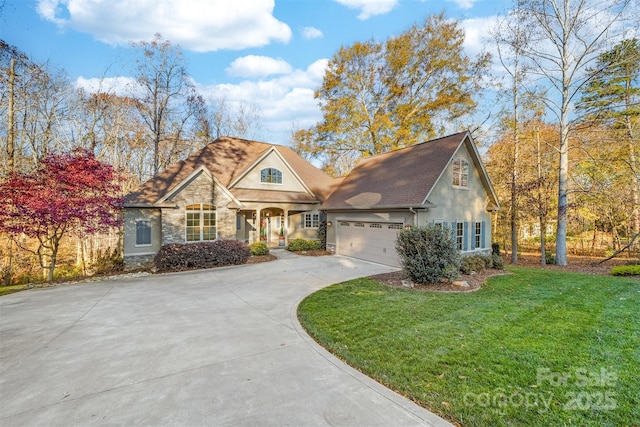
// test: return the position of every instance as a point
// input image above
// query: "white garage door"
(371, 241)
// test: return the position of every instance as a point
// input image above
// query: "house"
(230, 189)
(441, 182)
(249, 191)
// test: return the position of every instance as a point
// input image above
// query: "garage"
(371, 241)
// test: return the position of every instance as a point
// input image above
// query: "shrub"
(479, 262)
(497, 262)
(322, 235)
(471, 263)
(108, 262)
(428, 254)
(495, 248)
(297, 245)
(549, 258)
(178, 256)
(258, 248)
(626, 270)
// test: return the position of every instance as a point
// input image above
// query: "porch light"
(407, 227)
(329, 223)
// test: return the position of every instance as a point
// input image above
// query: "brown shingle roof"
(226, 158)
(400, 178)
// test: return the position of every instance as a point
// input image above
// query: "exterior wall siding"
(138, 256)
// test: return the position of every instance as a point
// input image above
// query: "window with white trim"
(460, 235)
(201, 223)
(311, 220)
(271, 176)
(460, 173)
(143, 232)
(477, 235)
(438, 223)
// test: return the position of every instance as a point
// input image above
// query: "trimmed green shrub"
(626, 270)
(184, 256)
(480, 262)
(258, 248)
(428, 254)
(297, 245)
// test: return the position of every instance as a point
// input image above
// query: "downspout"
(415, 216)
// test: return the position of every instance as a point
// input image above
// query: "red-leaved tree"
(68, 193)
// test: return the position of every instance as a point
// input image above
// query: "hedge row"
(479, 262)
(184, 256)
(297, 245)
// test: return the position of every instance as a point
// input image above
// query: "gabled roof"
(403, 178)
(226, 159)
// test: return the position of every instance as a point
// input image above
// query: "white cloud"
(121, 86)
(197, 25)
(477, 33)
(464, 4)
(311, 33)
(369, 8)
(258, 66)
(283, 101)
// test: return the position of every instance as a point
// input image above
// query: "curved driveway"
(204, 348)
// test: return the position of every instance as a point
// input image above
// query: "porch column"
(256, 226)
(285, 218)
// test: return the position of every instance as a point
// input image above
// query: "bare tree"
(567, 37)
(165, 95)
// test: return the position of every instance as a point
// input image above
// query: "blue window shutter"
(465, 236)
(302, 215)
(482, 242)
(321, 216)
(453, 232)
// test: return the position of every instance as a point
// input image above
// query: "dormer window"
(460, 173)
(271, 176)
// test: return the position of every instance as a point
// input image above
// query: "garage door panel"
(370, 241)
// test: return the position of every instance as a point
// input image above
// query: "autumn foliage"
(68, 193)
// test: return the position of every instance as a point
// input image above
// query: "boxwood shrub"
(184, 256)
(428, 254)
(259, 248)
(626, 270)
(297, 245)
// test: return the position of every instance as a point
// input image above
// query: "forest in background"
(562, 148)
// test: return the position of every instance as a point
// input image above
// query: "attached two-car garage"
(371, 241)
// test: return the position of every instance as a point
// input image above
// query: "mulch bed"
(474, 281)
(317, 252)
(577, 264)
(261, 258)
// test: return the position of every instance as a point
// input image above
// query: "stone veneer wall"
(199, 190)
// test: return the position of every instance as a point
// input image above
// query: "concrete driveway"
(211, 347)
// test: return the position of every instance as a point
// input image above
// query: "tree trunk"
(11, 120)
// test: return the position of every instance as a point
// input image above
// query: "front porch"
(271, 224)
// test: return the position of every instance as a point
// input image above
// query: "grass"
(6, 290)
(536, 348)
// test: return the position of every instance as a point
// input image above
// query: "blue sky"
(271, 54)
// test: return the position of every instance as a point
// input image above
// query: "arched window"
(201, 223)
(271, 176)
(460, 173)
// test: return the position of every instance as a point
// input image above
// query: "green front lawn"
(533, 348)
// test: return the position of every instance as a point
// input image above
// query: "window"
(375, 225)
(477, 234)
(271, 176)
(460, 236)
(394, 226)
(143, 232)
(201, 222)
(358, 224)
(460, 173)
(311, 220)
(438, 224)
(344, 224)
